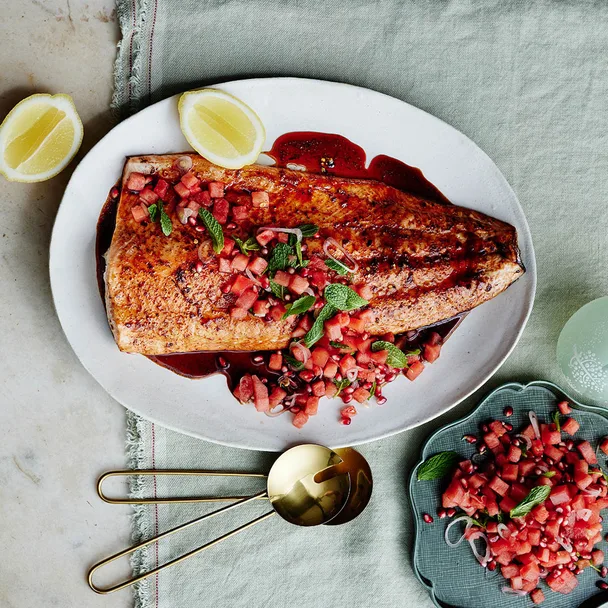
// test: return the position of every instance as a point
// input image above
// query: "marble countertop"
(59, 428)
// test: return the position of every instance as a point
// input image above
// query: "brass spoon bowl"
(308, 485)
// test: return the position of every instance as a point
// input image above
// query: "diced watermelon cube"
(333, 330)
(331, 369)
(228, 246)
(202, 198)
(298, 284)
(260, 395)
(365, 291)
(261, 308)
(347, 363)
(431, 352)
(319, 279)
(239, 262)
(221, 207)
(265, 237)
(182, 190)
(361, 395)
(550, 436)
(148, 196)
(276, 396)
(357, 325)
(140, 213)
(240, 213)
(216, 189)
(537, 596)
(453, 495)
(277, 311)
(247, 299)
(530, 572)
(190, 180)
(510, 571)
(507, 503)
(414, 370)
(510, 472)
(275, 362)
(162, 188)
(241, 284)
(282, 278)
(597, 557)
(564, 408)
(258, 265)
(244, 391)
(194, 206)
(498, 485)
(570, 426)
(554, 453)
(136, 181)
(225, 266)
(312, 405)
(559, 495)
(238, 313)
(300, 419)
(587, 452)
(318, 388)
(260, 199)
(514, 454)
(582, 480)
(320, 356)
(604, 445)
(517, 583)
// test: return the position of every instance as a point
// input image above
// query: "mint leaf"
(277, 290)
(341, 384)
(343, 297)
(165, 221)
(293, 362)
(549, 474)
(279, 260)
(299, 253)
(308, 230)
(396, 357)
(336, 266)
(214, 228)
(556, 420)
(299, 306)
(537, 496)
(339, 345)
(152, 209)
(372, 390)
(438, 466)
(246, 246)
(315, 333)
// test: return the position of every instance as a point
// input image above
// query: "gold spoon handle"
(168, 472)
(122, 585)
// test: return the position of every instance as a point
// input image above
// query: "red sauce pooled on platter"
(318, 153)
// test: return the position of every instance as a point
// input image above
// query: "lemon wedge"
(39, 137)
(221, 127)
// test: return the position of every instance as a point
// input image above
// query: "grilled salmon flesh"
(421, 261)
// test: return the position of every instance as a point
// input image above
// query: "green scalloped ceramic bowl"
(452, 576)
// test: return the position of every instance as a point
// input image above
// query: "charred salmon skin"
(417, 262)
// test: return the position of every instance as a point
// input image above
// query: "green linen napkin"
(527, 82)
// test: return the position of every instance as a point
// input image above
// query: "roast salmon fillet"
(424, 261)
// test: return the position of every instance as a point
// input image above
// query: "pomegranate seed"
(291, 270)
(349, 390)
(264, 250)
(284, 368)
(508, 411)
(559, 510)
(295, 409)
(347, 398)
(264, 380)
(222, 362)
(604, 572)
(470, 438)
(114, 192)
(258, 359)
(192, 221)
(451, 512)
(199, 267)
(521, 480)
(441, 513)
(508, 426)
(516, 442)
(199, 228)
(602, 585)
(560, 520)
(538, 472)
(542, 544)
(491, 566)
(380, 400)
(390, 377)
(427, 518)
(345, 420)
(338, 377)
(484, 428)
(481, 448)
(231, 226)
(304, 272)
(575, 569)
(570, 444)
(287, 298)
(225, 288)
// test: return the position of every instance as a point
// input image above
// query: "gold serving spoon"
(307, 485)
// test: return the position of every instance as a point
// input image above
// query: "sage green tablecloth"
(528, 82)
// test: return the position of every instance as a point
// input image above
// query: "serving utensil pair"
(308, 485)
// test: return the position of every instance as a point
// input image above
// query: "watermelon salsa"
(533, 502)
(270, 274)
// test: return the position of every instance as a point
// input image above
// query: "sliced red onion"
(273, 412)
(534, 422)
(295, 231)
(352, 374)
(503, 531)
(526, 440)
(510, 591)
(331, 242)
(252, 278)
(584, 514)
(299, 346)
(482, 559)
(593, 492)
(184, 214)
(446, 534)
(310, 292)
(183, 164)
(564, 543)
